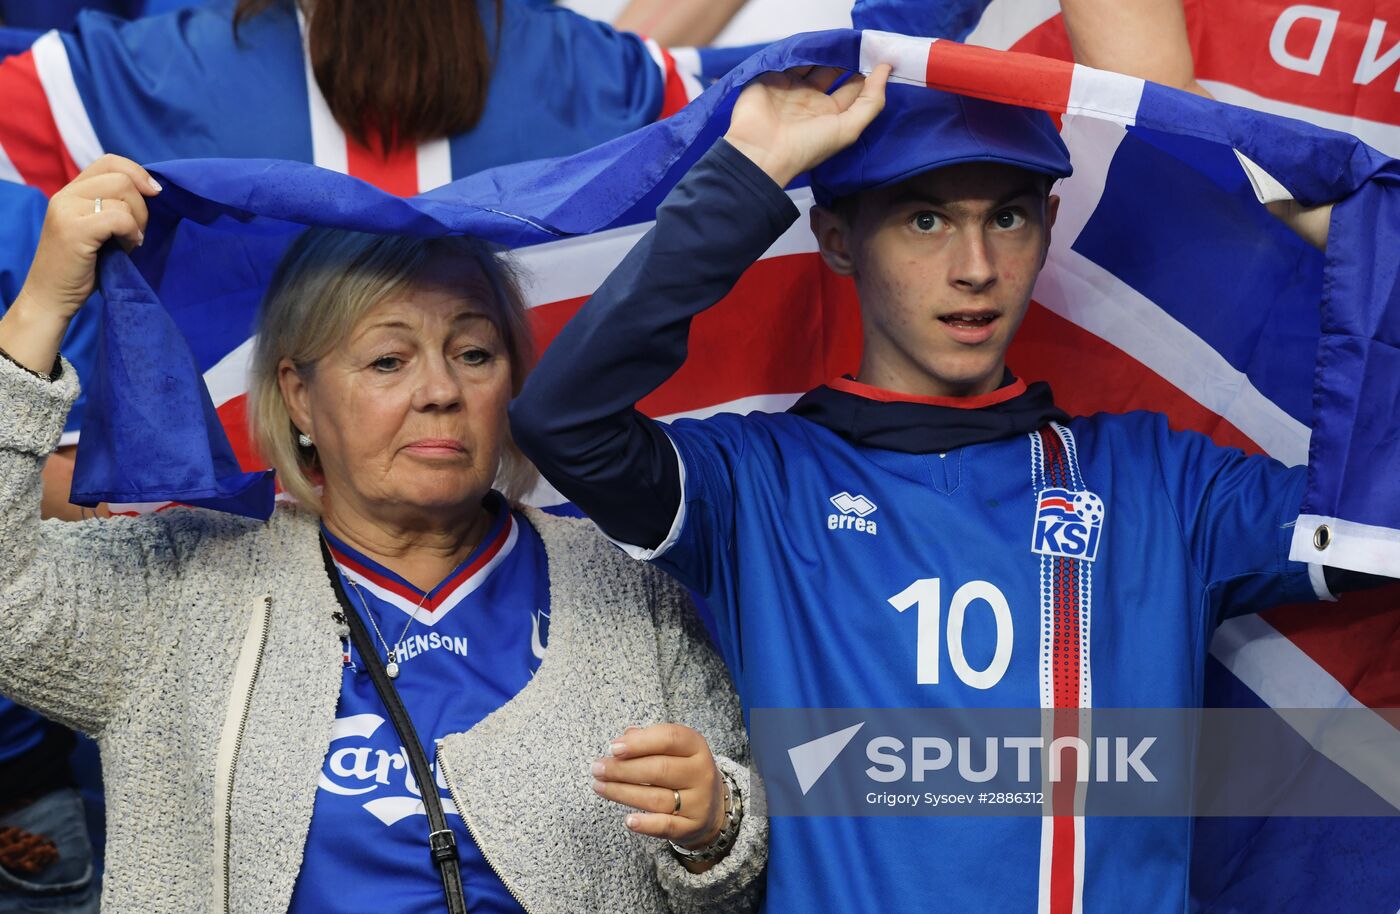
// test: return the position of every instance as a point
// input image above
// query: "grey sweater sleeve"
(700, 694)
(76, 598)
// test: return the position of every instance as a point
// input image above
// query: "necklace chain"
(391, 656)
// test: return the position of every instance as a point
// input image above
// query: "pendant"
(392, 669)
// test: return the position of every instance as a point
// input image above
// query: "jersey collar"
(873, 417)
(470, 574)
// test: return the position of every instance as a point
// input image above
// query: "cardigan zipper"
(462, 811)
(245, 678)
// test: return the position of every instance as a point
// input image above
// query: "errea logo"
(854, 511)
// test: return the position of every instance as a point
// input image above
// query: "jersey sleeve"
(619, 83)
(698, 548)
(1236, 513)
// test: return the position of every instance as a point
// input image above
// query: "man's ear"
(297, 396)
(1052, 210)
(833, 240)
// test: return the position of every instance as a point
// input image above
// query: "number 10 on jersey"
(925, 595)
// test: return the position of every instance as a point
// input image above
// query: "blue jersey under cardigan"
(475, 642)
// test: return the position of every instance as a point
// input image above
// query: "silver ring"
(677, 809)
(97, 205)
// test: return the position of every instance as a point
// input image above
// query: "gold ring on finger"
(676, 810)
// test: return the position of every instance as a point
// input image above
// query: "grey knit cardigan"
(178, 637)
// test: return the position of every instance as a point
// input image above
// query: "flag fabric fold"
(229, 219)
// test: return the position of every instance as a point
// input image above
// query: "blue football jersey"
(1087, 565)
(474, 643)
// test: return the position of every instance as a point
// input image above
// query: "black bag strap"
(442, 843)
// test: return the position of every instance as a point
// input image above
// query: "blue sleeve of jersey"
(1236, 513)
(697, 550)
(179, 85)
(563, 68)
(17, 41)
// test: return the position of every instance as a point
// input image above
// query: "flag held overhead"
(218, 229)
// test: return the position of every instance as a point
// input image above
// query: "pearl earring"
(304, 440)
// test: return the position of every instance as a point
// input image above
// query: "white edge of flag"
(1358, 547)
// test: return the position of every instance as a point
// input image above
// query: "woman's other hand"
(64, 270)
(649, 767)
(787, 123)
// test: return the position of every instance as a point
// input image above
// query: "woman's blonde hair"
(326, 282)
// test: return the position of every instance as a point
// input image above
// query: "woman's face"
(408, 413)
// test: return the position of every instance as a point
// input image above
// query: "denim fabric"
(67, 886)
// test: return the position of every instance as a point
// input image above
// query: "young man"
(1091, 557)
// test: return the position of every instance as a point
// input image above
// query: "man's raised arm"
(576, 417)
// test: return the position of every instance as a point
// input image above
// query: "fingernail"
(140, 238)
(597, 786)
(155, 185)
(632, 822)
(598, 769)
(618, 749)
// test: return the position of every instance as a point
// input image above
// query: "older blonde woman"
(269, 698)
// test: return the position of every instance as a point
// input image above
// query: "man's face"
(944, 263)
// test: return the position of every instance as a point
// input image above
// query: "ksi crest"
(1067, 524)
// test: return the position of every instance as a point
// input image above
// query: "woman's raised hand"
(787, 123)
(649, 767)
(65, 265)
(64, 270)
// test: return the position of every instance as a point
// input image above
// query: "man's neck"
(914, 383)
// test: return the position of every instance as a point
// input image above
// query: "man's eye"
(1008, 219)
(387, 363)
(926, 222)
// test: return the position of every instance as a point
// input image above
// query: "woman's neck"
(422, 554)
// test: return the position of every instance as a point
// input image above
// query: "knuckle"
(674, 734)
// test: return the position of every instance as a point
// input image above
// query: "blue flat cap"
(923, 129)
